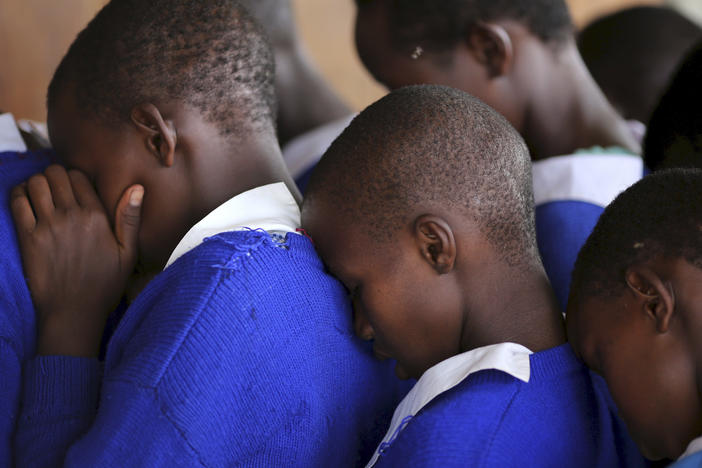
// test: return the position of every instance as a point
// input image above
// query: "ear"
(655, 295)
(436, 242)
(492, 47)
(159, 134)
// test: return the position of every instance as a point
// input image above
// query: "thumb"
(127, 221)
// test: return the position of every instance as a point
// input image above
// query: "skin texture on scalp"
(657, 216)
(447, 148)
(209, 55)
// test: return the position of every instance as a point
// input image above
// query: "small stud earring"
(418, 51)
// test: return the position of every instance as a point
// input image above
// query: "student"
(305, 99)
(632, 54)
(423, 208)
(674, 137)
(310, 114)
(240, 350)
(520, 58)
(634, 311)
(17, 324)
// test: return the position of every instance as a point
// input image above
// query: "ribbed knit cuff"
(61, 384)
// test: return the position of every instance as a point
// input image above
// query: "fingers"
(60, 186)
(22, 212)
(83, 191)
(127, 221)
(39, 194)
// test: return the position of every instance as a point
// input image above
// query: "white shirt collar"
(270, 207)
(693, 447)
(10, 137)
(510, 358)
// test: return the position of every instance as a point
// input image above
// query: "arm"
(76, 270)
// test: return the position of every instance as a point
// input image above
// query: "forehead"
(340, 240)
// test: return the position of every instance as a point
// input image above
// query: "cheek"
(413, 320)
(657, 399)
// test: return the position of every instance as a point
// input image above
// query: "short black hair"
(633, 53)
(210, 55)
(659, 216)
(432, 144)
(440, 24)
(674, 136)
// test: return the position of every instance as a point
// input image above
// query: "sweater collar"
(510, 358)
(271, 208)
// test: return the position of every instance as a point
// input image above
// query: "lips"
(379, 354)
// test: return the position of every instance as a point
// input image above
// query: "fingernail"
(136, 196)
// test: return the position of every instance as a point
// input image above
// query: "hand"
(76, 266)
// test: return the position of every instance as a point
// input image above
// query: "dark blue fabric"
(559, 418)
(241, 353)
(17, 318)
(562, 227)
(303, 179)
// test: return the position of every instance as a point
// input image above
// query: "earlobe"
(492, 47)
(655, 295)
(436, 242)
(159, 134)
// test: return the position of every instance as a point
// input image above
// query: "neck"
(256, 162)
(227, 171)
(570, 112)
(521, 309)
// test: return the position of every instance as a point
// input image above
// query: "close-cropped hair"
(209, 55)
(632, 54)
(674, 136)
(658, 217)
(432, 146)
(440, 25)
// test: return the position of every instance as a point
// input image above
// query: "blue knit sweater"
(563, 417)
(241, 353)
(17, 318)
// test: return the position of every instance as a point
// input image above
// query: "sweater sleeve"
(59, 400)
(10, 376)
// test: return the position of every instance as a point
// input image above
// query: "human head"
(170, 95)
(634, 312)
(414, 208)
(633, 53)
(466, 44)
(674, 138)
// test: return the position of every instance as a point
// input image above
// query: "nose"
(361, 326)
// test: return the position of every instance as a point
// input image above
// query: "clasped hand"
(75, 263)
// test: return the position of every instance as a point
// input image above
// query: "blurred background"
(34, 35)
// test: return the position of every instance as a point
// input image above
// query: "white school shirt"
(304, 151)
(10, 137)
(588, 176)
(271, 208)
(692, 448)
(510, 358)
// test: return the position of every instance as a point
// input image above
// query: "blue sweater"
(17, 318)
(241, 353)
(562, 417)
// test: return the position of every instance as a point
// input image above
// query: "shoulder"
(493, 419)
(458, 425)
(240, 295)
